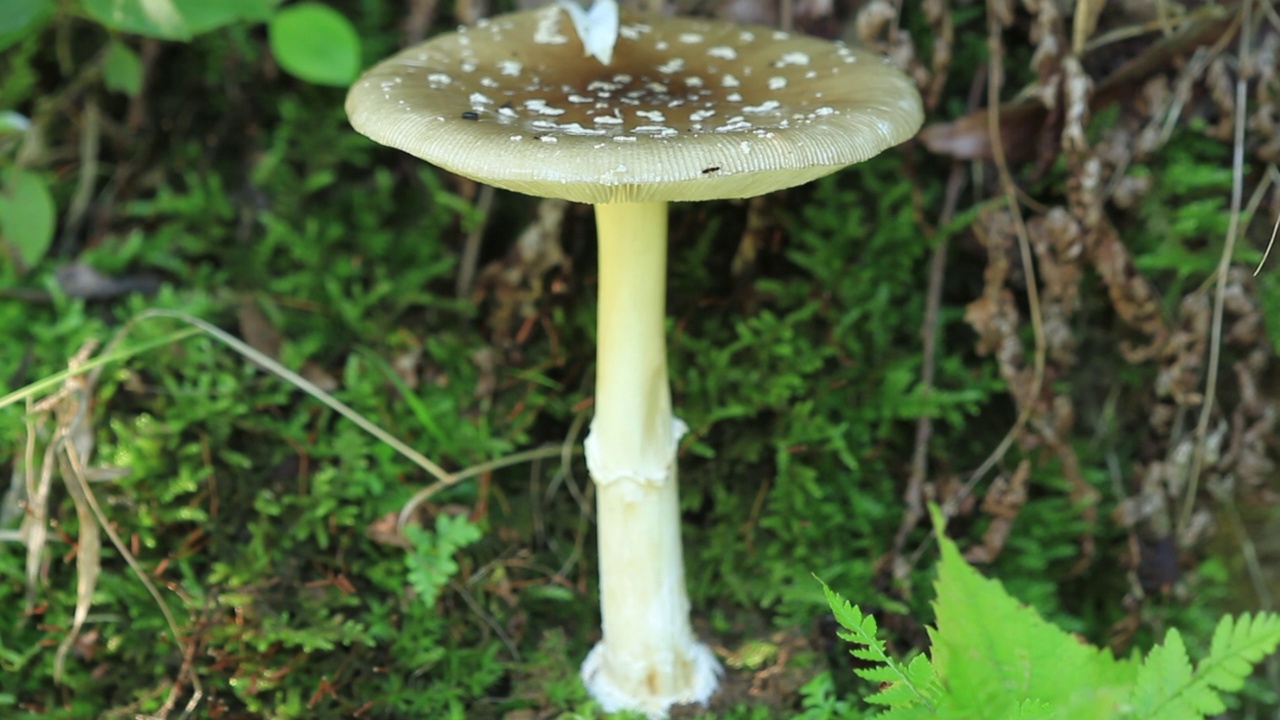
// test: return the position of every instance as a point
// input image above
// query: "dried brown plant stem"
(1084, 22)
(1269, 11)
(1274, 176)
(492, 623)
(1011, 195)
(450, 479)
(914, 494)
(418, 19)
(1224, 265)
(1011, 191)
(86, 176)
(471, 248)
(197, 691)
(71, 403)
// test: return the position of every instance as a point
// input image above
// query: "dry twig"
(1224, 265)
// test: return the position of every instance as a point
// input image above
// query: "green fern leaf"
(863, 653)
(1163, 688)
(1238, 646)
(878, 674)
(993, 654)
(912, 685)
(1035, 710)
(1166, 689)
(914, 712)
(429, 561)
(994, 658)
(919, 686)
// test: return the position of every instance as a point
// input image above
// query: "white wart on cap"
(688, 109)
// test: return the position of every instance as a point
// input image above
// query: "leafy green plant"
(314, 42)
(993, 657)
(27, 214)
(20, 16)
(310, 40)
(430, 558)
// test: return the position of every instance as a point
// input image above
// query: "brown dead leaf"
(950, 491)
(263, 336)
(1221, 84)
(877, 26)
(1028, 126)
(760, 224)
(1022, 130)
(517, 283)
(1182, 360)
(257, 330)
(1058, 245)
(1132, 297)
(994, 315)
(1003, 501)
(385, 530)
(1151, 499)
(937, 13)
(1253, 425)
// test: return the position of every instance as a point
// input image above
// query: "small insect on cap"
(687, 109)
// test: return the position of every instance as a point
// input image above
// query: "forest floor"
(1059, 337)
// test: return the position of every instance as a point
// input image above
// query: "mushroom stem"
(633, 421)
(648, 658)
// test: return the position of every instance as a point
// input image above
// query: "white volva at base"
(704, 677)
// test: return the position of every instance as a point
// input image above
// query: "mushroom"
(687, 109)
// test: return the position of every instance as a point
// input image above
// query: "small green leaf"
(122, 70)
(430, 561)
(1165, 674)
(156, 18)
(175, 19)
(914, 684)
(203, 16)
(21, 18)
(315, 43)
(27, 215)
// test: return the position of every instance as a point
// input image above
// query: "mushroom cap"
(688, 109)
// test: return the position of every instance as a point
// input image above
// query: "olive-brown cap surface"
(689, 109)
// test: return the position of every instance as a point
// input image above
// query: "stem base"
(702, 677)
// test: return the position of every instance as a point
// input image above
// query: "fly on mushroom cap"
(688, 109)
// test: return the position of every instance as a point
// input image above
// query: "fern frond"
(914, 712)
(1035, 710)
(1166, 688)
(993, 654)
(1238, 646)
(1162, 680)
(902, 686)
